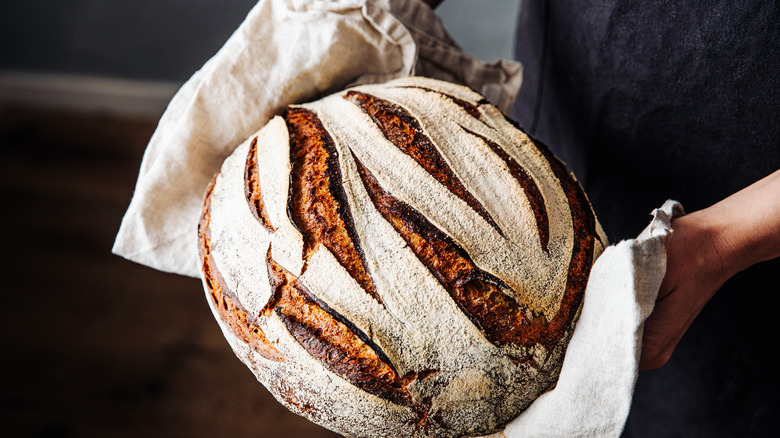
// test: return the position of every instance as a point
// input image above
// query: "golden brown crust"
(317, 203)
(584, 227)
(405, 132)
(230, 311)
(472, 322)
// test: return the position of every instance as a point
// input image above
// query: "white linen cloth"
(594, 391)
(286, 51)
(289, 51)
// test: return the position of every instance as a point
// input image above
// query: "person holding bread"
(646, 102)
(402, 259)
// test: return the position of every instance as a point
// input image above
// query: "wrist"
(743, 229)
(698, 245)
(747, 224)
(723, 247)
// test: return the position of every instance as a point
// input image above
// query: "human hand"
(707, 248)
(694, 272)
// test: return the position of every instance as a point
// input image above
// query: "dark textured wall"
(138, 39)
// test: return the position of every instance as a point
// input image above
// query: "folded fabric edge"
(148, 256)
(499, 82)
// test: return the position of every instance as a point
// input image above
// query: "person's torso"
(653, 100)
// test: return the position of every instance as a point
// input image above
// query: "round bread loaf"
(398, 260)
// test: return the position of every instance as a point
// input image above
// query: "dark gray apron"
(653, 100)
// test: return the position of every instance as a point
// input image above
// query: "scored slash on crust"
(584, 227)
(252, 188)
(331, 339)
(532, 192)
(317, 204)
(404, 131)
(470, 108)
(226, 304)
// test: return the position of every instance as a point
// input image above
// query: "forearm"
(745, 227)
(707, 248)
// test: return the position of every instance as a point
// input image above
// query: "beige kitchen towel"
(286, 51)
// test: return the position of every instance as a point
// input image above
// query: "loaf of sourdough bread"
(398, 260)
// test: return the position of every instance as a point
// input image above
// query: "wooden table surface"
(94, 345)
